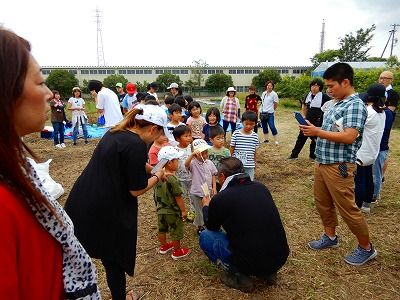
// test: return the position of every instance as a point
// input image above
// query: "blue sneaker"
(323, 243)
(360, 256)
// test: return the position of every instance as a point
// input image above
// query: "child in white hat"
(171, 210)
(203, 179)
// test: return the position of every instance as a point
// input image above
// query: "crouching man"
(244, 234)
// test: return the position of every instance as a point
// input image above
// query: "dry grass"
(306, 275)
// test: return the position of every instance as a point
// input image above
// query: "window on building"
(46, 71)
(167, 71)
(232, 72)
(159, 72)
(183, 71)
(130, 71)
(239, 71)
(73, 71)
(285, 71)
(248, 71)
(219, 71)
(147, 71)
(175, 72)
(211, 71)
(256, 71)
(296, 71)
(139, 71)
(93, 71)
(102, 71)
(84, 71)
(121, 71)
(110, 72)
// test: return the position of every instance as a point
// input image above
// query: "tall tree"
(218, 82)
(327, 55)
(164, 80)
(111, 80)
(62, 81)
(356, 47)
(268, 74)
(198, 71)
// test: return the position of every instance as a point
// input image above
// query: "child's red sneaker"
(180, 253)
(164, 249)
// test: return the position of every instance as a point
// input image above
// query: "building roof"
(171, 67)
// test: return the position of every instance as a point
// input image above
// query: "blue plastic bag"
(101, 121)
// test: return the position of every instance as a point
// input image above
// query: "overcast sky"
(176, 32)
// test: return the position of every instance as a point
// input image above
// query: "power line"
(391, 36)
(100, 50)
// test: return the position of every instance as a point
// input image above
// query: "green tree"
(268, 74)
(111, 80)
(374, 58)
(62, 81)
(327, 55)
(84, 87)
(198, 71)
(190, 84)
(393, 62)
(141, 87)
(293, 87)
(164, 80)
(356, 47)
(218, 82)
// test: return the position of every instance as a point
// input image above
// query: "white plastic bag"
(42, 169)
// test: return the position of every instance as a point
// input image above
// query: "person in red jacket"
(40, 257)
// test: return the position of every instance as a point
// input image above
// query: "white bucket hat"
(200, 145)
(231, 89)
(169, 153)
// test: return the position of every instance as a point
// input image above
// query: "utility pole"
(321, 46)
(391, 36)
(100, 51)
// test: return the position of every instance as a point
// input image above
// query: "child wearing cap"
(130, 99)
(203, 179)
(170, 207)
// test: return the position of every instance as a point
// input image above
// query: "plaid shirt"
(230, 110)
(354, 114)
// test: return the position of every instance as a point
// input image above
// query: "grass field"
(306, 275)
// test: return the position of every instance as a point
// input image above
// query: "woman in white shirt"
(269, 103)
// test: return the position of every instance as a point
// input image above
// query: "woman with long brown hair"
(40, 257)
(103, 201)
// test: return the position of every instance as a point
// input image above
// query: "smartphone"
(300, 118)
(159, 165)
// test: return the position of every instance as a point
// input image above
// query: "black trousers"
(115, 279)
(301, 140)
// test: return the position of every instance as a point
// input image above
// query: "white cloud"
(175, 32)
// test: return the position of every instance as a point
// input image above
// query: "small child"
(181, 101)
(183, 135)
(203, 179)
(175, 116)
(159, 142)
(196, 121)
(77, 107)
(244, 143)
(170, 207)
(218, 151)
(213, 117)
(252, 102)
(130, 99)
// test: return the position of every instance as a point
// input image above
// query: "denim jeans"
(377, 172)
(215, 245)
(225, 125)
(58, 130)
(270, 121)
(76, 131)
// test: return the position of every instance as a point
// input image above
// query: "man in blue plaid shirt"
(338, 140)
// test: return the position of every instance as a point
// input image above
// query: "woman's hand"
(161, 175)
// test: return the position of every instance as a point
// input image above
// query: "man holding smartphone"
(335, 165)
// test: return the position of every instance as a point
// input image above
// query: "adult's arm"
(151, 182)
(347, 136)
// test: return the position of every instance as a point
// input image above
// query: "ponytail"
(130, 121)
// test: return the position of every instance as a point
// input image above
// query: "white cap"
(173, 85)
(169, 153)
(200, 145)
(231, 89)
(153, 114)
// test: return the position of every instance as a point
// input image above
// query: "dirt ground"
(306, 275)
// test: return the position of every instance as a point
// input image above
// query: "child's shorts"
(171, 223)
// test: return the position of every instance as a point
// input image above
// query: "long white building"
(241, 75)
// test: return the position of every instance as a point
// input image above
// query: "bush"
(260, 80)
(111, 80)
(293, 87)
(218, 82)
(62, 81)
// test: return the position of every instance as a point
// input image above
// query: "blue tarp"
(93, 132)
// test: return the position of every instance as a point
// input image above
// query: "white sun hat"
(200, 145)
(169, 153)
